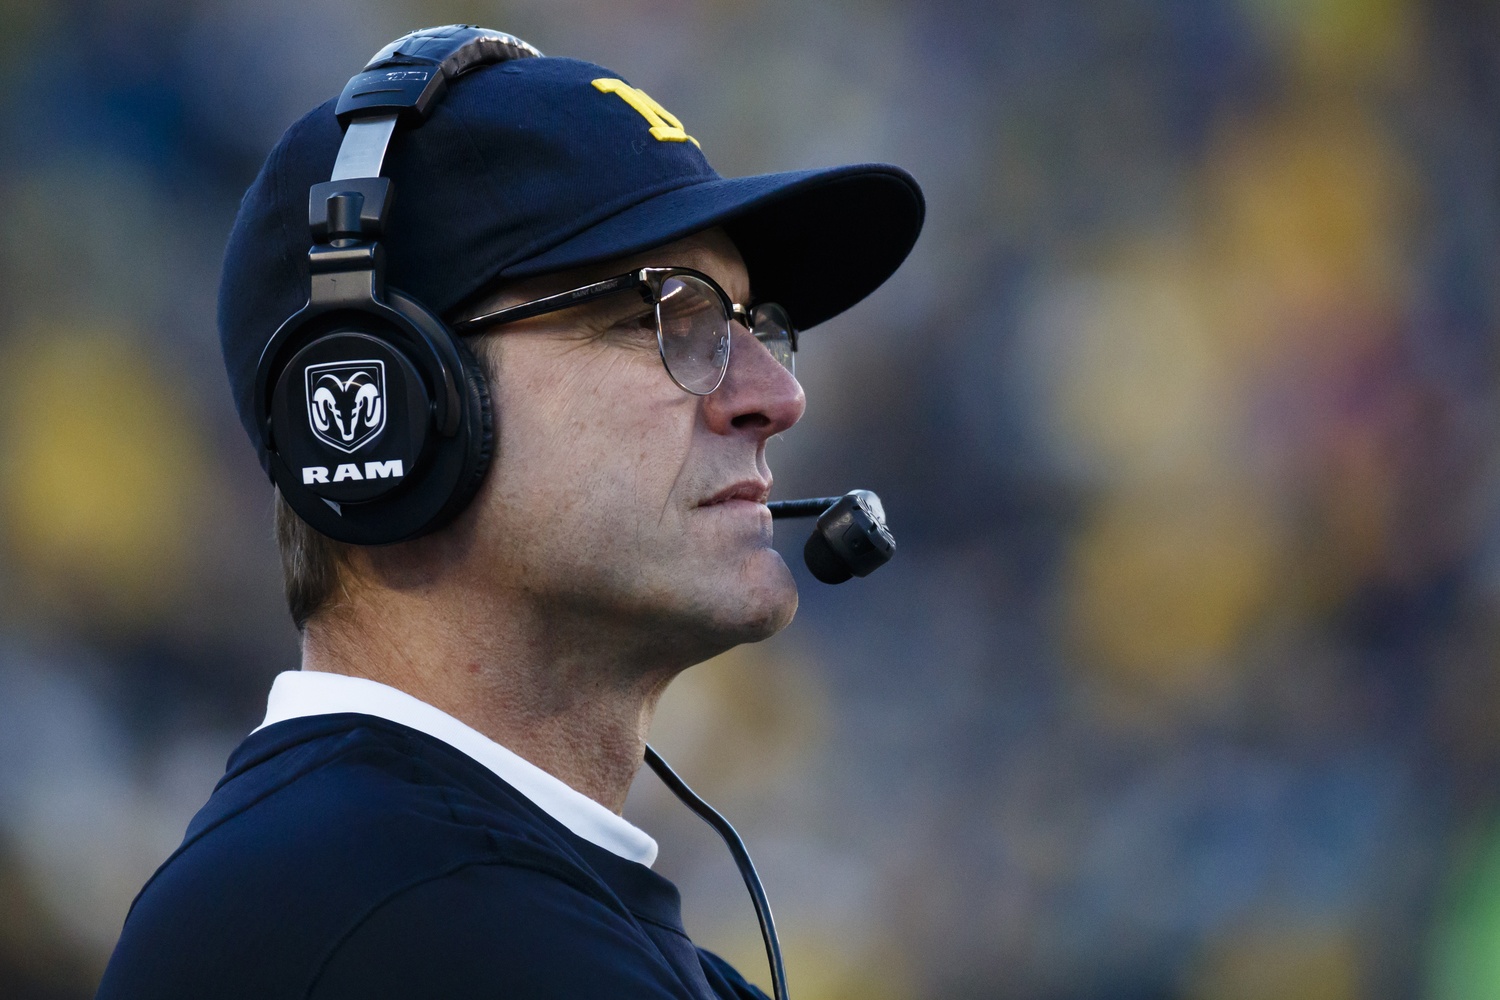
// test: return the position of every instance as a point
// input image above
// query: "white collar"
(296, 694)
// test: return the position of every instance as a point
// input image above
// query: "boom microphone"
(850, 539)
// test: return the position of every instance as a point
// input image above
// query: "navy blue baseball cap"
(539, 165)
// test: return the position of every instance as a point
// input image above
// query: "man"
(432, 806)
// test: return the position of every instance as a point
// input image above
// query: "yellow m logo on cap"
(664, 125)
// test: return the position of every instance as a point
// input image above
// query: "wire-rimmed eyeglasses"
(692, 321)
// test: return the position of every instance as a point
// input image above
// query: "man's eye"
(636, 321)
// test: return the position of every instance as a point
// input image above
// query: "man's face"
(616, 497)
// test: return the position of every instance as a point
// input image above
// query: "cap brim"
(815, 241)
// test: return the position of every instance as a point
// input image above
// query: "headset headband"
(404, 80)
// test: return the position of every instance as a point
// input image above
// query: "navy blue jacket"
(348, 856)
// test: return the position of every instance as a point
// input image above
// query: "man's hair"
(310, 563)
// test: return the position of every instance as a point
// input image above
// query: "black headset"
(375, 416)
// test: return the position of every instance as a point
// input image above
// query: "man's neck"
(558, 696)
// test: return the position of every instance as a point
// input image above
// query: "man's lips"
(752, 490)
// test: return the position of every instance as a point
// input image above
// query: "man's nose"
(757, 393)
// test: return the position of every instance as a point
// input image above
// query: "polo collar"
(297, 694)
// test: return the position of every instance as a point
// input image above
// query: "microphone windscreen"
(823, 561)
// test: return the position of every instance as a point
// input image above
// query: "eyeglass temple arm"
(552, 303)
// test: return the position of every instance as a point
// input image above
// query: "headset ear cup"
(476, 385)
(359, 493)
(475, 436)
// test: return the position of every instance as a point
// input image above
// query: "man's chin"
(766, 597)
(751, 602)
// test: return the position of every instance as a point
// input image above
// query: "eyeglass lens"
(695, 333)
(773, 327)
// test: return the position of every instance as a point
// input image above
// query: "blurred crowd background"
(1185, 683)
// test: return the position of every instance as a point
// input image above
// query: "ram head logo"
(346, 402)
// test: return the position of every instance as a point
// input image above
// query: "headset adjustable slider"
(347, 275)
(351, 209)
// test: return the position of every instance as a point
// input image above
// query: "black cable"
(736, 847)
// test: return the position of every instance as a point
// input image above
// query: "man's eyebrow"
(600, 314)
(702, 259)
(697, 258)
(624, 304)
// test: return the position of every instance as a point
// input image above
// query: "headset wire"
(736, 847)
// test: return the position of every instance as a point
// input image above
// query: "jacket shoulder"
(316, 823)
(509, 928)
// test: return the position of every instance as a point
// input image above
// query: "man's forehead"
(710, 251)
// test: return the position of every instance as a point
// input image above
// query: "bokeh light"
(1185, 679)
